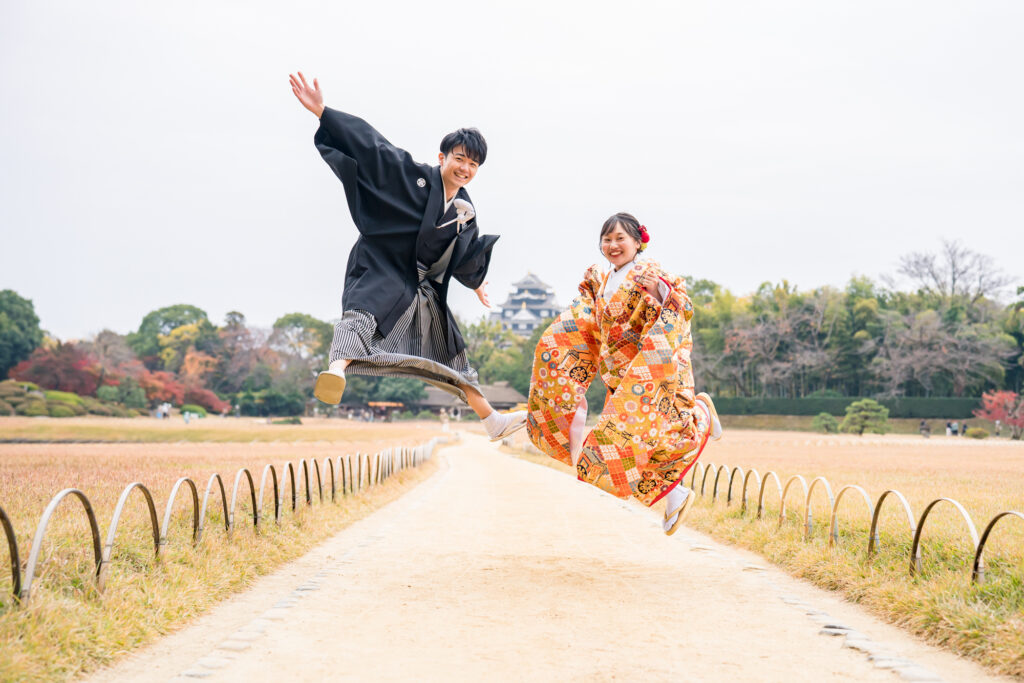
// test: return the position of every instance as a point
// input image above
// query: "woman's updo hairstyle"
(629, 223)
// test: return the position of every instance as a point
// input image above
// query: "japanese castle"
(530, 303)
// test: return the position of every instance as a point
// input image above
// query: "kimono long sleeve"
(384, 186)
(671, 299)
(676, 300)
(472, 268)
(590, 285)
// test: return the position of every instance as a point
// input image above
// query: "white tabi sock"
(338, 366)
(495, 423)
(576, 432)
(673, 501)
(714, 426)
(499, 426)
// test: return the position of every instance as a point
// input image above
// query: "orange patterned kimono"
(650, 432)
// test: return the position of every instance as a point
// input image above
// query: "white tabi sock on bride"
(674, 501)
(576, 432)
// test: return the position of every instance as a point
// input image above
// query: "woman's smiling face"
(618, 247)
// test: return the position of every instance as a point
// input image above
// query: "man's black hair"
(470, 139)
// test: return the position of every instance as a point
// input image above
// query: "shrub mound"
(194, 409)
(25, 398)
(824, 422)
(60, 410)
(32, 408)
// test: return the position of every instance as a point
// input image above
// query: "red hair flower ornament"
(645, 237)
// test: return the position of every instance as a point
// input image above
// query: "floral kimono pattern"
(650, 432)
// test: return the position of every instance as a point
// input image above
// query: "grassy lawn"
(68, 627)
(984, 622)
(802, 423)
(222, 429)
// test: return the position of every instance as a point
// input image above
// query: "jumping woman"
(631, 324)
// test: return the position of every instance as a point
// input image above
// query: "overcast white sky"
(152, 153)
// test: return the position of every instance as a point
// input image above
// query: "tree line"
(178, 356)
(935, 328)
(944, 333)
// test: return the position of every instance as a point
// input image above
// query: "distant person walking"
(925, 428)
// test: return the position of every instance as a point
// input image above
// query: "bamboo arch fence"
(354, 472)
(915, 524)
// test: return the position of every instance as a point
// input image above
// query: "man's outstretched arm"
(383, 184)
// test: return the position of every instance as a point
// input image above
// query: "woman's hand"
(649, 281)
(310, 97)
(481, 293)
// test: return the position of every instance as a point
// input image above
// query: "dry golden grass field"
(984, 622)
(223, 429)
(68, 627)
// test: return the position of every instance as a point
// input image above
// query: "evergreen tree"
(19, 330)
(865, 415)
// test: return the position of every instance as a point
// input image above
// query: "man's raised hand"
(310, 97)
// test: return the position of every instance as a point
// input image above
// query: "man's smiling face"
(457, 169)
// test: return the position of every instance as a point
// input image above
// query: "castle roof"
(523, 315)
(531, 281)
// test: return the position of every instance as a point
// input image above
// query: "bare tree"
(920, 351)
(907, 353)
(955, 272)
(243, 350)
(113, 355)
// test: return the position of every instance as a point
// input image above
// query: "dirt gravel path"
(496, 568)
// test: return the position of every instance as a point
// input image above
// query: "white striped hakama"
(415, 347)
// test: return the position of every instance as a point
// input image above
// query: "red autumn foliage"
(1005, 406)
(162, 387)
(207, 399)
(63, 367)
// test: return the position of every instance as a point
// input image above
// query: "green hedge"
(63, 397)
(194, 409)
(948, 408)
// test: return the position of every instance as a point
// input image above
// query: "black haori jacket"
(393, 201)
